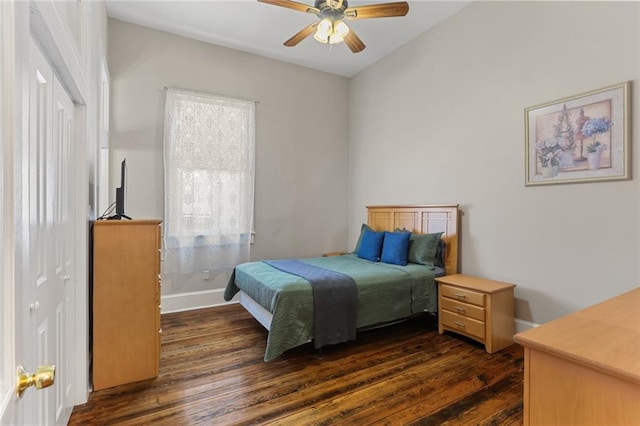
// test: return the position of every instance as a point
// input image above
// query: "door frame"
(7, 287)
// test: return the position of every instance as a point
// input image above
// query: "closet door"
(49, 284)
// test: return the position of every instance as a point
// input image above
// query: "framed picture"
(583, 138)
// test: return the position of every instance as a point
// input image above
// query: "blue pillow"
(371, 245)
(395, 249)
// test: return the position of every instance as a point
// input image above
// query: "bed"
(386, 293)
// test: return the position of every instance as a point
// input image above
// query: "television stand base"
(118, 217)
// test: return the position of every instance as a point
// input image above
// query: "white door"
(62, 251)
(48, 286)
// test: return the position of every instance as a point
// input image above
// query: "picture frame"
(581, 138)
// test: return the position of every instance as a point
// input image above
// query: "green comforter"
(385, 293)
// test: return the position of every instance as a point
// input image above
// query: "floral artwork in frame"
(582, 138)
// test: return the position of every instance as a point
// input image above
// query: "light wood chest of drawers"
(584, 368)
(478, 308)
(126, 301)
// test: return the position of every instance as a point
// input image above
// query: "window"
(209, 155)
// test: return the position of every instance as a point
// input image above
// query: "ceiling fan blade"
(289, 4)
(383, 10)
(353, 42)
(301, 35)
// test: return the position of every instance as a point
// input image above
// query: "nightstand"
(478, 308)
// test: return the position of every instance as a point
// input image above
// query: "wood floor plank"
(212, 372)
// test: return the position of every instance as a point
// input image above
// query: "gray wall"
(441, 120)
(301, 167)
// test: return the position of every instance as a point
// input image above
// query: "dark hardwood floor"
(212, 372)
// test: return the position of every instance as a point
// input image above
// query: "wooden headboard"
(425, 219)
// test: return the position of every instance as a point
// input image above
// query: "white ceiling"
(261, 28)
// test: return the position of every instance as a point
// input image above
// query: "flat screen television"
(120, 193)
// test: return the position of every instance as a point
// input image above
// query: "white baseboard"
(194, 300)
(522, 325)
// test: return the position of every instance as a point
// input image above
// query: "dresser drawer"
(462, 294)
(461, 308)
(463, 324)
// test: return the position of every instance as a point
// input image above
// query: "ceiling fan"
(331, 27)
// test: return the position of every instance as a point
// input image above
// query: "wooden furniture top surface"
(128, 222)
(604, 337)
(482, 284)
(421, 219)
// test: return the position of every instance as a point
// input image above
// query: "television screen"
(120, 193)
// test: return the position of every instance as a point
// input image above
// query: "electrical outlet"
(205, 275)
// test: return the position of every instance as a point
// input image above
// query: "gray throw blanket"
(335, 301)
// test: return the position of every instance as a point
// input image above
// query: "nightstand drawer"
(462, 294)
(462, 324)
(461, 308)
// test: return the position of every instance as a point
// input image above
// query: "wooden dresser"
(477, 308)
(584, 369)
(126, 301)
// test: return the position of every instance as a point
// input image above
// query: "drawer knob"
(460, 324)
(459, 309)
(460, 296)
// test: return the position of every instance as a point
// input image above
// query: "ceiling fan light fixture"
(340, 30)
(331, 31)
(335, 39)
(324, 30)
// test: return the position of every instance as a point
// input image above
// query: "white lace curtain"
(209, 165)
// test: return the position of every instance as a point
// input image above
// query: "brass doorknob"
(42, 378)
